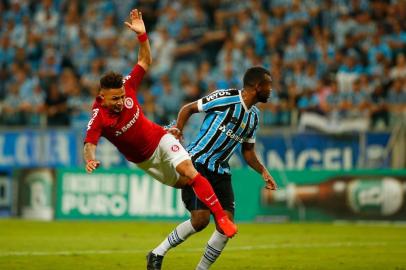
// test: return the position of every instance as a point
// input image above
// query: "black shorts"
(221, 184)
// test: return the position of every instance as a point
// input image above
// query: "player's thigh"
(162, 165)
(174, 155)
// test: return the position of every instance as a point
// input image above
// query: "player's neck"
(248, 98)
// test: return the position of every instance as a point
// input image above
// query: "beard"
(263, 97)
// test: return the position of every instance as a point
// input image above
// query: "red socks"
(205, 193)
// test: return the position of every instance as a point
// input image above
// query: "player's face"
(264, 89)
(113, 99)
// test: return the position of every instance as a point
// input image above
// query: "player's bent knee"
(186, 169)
(182, 182)
(200, 219)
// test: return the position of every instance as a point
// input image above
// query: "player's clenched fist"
(91, 165)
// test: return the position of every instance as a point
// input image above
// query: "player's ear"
(100, 97)
(257, 87)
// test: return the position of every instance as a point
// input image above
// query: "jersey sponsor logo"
(128, 103)
(95, 112)
(129, 124)
(229, 133)
(217, 94)
(175, 148)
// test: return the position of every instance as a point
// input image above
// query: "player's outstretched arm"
(89, 154)
(183, 116)
(252, 160)
(137, 25)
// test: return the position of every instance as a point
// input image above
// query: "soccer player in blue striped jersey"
(231, 119)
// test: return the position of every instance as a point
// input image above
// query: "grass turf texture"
(123, 245)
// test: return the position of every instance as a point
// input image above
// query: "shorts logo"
(128, 103)
(175, 148)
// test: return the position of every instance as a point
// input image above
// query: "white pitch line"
(133, 251)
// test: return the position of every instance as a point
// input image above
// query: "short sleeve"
(134, 79)
(251, 137)
(218, 100)
(94, 127)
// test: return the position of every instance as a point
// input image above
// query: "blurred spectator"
(378, 47)
(227, 79)
(7, 51)
(343, 26)
(106, 34)
(397, 100)
(308, 102)
(50, 66)
(335, 103)
(349, 72)
(397, 40)
(379, 109)
(399, 70)
(46, 16)
(33, 51)
(168, 102)
(163, 47)
(91, 79)
(116, 62)
(56, 106)
(294, 51)
(186, 53)
(357, 100)
(35, 106)
(82, 53)
(12, 113)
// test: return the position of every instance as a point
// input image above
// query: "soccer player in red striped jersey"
(118, 117)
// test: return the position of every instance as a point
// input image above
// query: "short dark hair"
(255, 75)
(111, 80)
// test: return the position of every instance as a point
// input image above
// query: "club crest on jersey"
(128, 103)
(175, 148)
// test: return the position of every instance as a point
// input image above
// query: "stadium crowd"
(335, 57)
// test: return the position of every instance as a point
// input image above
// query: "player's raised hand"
(136, 23)
(270, 182)
(91, 165)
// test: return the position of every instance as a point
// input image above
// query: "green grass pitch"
(89, 245)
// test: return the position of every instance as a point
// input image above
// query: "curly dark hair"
(111, 80)
(255, 75)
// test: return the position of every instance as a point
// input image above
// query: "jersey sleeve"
(251, 137)
(134, 79)
(218, 100)
(94, 127)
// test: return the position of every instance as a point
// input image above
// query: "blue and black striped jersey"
(228, 122)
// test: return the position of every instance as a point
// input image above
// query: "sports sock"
(215, 245)
(205, 193)
(177, 236)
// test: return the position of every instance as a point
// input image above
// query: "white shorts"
(162, 164)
